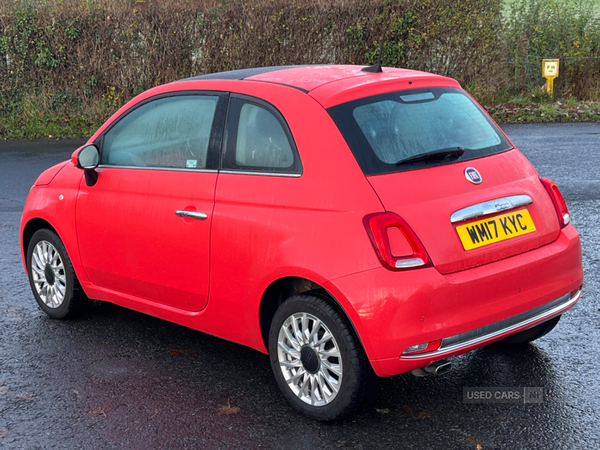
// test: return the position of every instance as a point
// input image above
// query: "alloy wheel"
(310, 359)
(48, 272)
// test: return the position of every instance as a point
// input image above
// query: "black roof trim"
(283, 84)
(243, 73)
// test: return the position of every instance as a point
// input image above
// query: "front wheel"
(52, 278)
(317, 360)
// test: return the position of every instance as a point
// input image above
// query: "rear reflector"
(559, 202)
(422, 348)
(396, 244)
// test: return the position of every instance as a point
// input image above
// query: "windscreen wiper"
(435, 154)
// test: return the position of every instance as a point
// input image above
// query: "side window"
(258, 140)
(170, 132)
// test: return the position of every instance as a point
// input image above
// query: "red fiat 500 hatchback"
(345, 222)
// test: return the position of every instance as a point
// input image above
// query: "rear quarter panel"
(269, 227)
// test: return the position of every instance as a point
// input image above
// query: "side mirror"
(88, 159)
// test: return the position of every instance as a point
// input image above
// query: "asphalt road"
(120, 379)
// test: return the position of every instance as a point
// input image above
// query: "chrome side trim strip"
(171, 169)
(477, 335)
(490, 207)
(268, 174)
(231, 172)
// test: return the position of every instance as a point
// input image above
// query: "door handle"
(192, 214)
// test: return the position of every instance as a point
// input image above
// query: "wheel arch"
(282, 289)
(37, 223)
(29, 230)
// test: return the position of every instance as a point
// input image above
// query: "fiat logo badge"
(473, 175)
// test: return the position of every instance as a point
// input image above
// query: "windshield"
(384, 129)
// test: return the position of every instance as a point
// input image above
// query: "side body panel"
(131, 240)
(265, 227)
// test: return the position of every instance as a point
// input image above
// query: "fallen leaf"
(155, 414)
(470, 440)
(382, 410)
(99, 411)
(189, 352)
(409, 410)
(3, 432)
(27, 396)
(424, 414)
(228, 409)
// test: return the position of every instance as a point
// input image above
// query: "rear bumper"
(466, 310)
(503, 328)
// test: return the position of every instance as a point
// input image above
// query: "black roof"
(239, 74)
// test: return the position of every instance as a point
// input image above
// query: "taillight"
(395, 243)
(559, 202)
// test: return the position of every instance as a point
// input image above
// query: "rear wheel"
(52, 278)
(524, 337)
(317, 360)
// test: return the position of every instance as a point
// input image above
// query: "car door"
(144, 227)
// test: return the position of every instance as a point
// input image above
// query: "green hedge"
(70, 54)
(68, 64)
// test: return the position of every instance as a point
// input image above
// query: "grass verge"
(47, 126)
(558, 111)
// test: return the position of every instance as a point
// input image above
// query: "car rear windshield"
(427, 127)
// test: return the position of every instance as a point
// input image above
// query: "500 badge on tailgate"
(499, 228)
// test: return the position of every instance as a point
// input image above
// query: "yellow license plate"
(498, 228)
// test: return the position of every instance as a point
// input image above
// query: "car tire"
(527, 336)
(52, 278)
(317, 359)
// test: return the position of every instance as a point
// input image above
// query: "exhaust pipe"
(435, 368)
(439, 367)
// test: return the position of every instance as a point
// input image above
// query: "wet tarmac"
(119, 379)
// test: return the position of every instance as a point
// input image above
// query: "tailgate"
(428, 198)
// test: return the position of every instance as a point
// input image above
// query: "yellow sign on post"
(550, 72)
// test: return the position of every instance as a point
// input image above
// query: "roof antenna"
(376, 68)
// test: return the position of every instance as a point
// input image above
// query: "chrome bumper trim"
(458, 341)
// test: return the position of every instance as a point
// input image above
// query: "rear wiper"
(435, 154)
